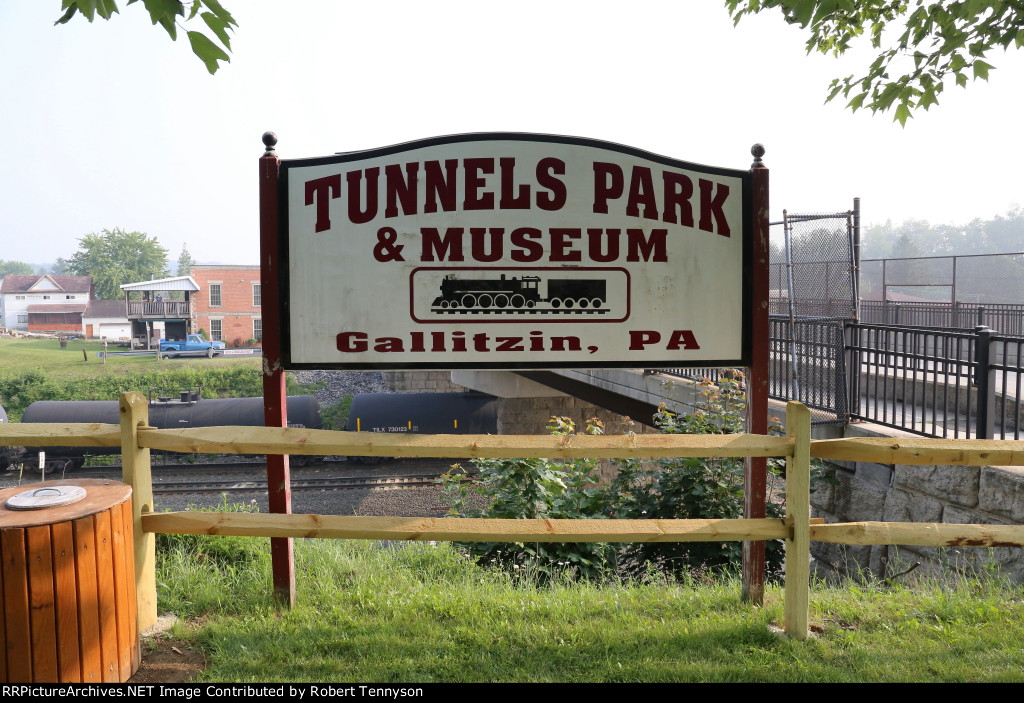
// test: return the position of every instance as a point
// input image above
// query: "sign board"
(505, 250)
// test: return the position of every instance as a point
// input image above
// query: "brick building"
(227, 306)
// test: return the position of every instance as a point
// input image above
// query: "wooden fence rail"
(136, 438)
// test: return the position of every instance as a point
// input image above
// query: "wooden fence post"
(135, 471)
(798, 519)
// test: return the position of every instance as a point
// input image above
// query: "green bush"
(535, 489)
(17, 391)
(677, 488)
(335, 417)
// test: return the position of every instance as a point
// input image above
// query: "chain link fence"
(812, 266)
(945, 292)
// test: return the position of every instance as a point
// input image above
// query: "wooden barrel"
(68, 587)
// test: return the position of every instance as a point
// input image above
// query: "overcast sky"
(113, 125)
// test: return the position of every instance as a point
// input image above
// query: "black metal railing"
(942, 383)
(1005, 317)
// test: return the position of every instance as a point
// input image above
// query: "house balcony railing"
(158, 309)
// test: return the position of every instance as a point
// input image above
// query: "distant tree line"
(112, 258)
(1002, 234)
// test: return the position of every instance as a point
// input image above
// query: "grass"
(22, 355)
(38, 369)
(417, 613)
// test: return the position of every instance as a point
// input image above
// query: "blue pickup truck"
(192, 345)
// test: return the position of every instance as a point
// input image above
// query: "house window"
(46, 297)
(69, 297)
(215, 329)
(257, 329)
(257, 295)
(215, 295)
(22, 319)
(19, 297)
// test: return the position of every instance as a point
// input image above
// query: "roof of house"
(57, 307)
(106, 308)
(174, 283)
(28, 284)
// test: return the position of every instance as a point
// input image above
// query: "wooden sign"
(513, 251)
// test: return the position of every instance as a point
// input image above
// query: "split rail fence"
(136, 439)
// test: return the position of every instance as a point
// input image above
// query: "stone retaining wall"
(987, 495)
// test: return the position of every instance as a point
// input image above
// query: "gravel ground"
(337, 384)
(408, 502)
(397, 502)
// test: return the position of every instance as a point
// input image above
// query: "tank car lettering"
(474, 182)
(399, 189)
(446, 248)
(355, 195)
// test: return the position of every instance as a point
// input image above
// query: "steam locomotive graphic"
(521, 294)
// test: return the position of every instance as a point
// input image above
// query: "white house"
(48, 303)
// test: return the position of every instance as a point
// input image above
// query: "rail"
(159, 309)
(136, 439)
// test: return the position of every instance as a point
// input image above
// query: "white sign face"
(513, 251)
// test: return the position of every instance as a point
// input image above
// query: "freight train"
(519, 293)
(186, 410)
(431, 413)
(423, 413)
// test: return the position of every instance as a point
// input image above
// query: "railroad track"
(331, 483)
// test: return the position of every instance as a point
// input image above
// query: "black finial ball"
(757, 150)
(269, 140)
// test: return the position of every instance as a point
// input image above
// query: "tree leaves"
(170, 14)
(116, 257)
(942, 40)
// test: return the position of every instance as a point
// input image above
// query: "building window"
(257, 295)
(19, 297)
(22, 319)
(215, 295)
(69, 297)
(215, 329)
(46, 297)
(257, 329)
